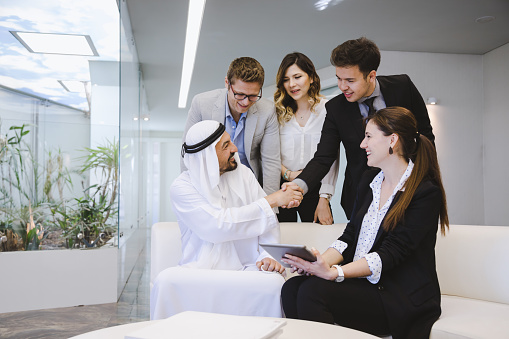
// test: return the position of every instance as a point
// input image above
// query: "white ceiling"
(269, 29)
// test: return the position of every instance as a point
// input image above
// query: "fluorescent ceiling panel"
(54, 43)
(194, 19)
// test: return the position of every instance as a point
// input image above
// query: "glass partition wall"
(71, 132)
(46, 199)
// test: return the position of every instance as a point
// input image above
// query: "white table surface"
(293, 329)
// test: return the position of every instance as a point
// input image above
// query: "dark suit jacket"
(343, 124)
(408, 286)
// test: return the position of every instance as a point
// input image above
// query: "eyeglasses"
(252, 98)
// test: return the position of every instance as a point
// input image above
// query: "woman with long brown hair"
(301, 112)
(380, 276)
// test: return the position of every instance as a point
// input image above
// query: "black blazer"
(408, 286)
(343, 124)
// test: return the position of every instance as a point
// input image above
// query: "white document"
(194, 325)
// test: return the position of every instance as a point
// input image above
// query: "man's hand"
(292, 186)
(270, 265)
(289, 194)
(323, 213)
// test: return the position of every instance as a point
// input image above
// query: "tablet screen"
(278, 251)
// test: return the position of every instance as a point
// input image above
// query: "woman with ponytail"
(380, 275)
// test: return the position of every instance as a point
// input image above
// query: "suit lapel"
(249, 129)
(219, 110)
(354, 115)
(388, 95)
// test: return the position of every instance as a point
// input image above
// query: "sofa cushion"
(470, 318)
(310, 234)
(472, 262)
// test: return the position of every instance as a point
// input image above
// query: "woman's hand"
(294, 174)
(270, 265)
(320, 267)
(323, 213)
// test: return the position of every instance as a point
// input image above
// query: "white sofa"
(472, 266)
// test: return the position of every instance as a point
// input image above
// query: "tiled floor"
(132, 306)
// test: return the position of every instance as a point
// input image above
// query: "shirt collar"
(376, 92)
(377, 181)
(228, 113)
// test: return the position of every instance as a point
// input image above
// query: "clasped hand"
(297, 191)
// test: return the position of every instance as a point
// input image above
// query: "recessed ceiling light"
(56, 43)
(320, 5)
(484, 19)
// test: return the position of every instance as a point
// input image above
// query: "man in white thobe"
(223, 215)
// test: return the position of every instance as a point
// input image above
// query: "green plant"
(12, 163)
(29, 207)
(24, 207)
(86, 219)
(56, 174)
(15, 156)
(106, 160)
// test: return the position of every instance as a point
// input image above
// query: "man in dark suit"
(356, 63)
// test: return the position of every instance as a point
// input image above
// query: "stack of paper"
(193, 325)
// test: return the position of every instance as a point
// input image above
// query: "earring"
(390, 150)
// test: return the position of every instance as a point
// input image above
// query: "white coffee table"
(293, 329)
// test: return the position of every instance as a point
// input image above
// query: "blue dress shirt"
(236, 132)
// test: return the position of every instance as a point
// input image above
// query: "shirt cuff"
(326, 189)
(265, 206)
(339, 246)
(302, 184)
(375, 266)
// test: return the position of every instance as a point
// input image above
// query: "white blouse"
(298, 145)
(371, 223)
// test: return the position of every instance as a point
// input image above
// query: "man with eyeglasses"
(249, 119)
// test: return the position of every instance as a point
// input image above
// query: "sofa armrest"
(165, 247)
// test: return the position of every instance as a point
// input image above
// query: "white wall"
(496, 122)
(34, 280)
(164, 154)
(457, 120)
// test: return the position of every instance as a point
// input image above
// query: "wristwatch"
(326, 196)
(341, 275)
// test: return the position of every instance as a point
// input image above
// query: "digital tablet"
(278, 251)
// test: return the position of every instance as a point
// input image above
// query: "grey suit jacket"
(261, 135)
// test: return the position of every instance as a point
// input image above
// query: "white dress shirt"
(298, 145)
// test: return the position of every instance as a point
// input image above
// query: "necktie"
(369, 103)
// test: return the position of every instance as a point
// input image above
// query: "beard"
(232, 165)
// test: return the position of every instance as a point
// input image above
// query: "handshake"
(290, 195)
